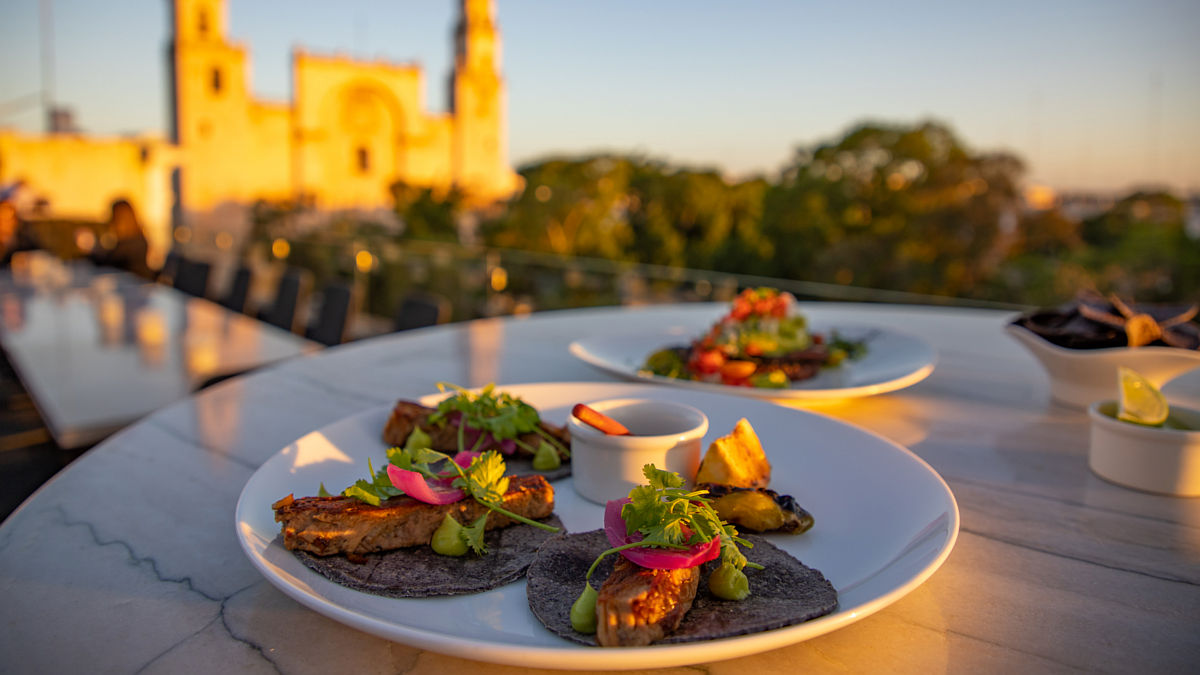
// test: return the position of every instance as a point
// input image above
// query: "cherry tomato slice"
(738, 370)
(708, 362)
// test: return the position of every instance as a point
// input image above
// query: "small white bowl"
(663, 433)
(1154, 459)
(1080, 376)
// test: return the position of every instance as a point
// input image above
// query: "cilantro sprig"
(501, 415)
(378, 486)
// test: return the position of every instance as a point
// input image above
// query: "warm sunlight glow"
(85, 240)
(364, 261)
(499, 279)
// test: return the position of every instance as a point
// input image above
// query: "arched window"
(216, 80)
(362, 159)
(202, 23)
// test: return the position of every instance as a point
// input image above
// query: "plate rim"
(568, 655)
(579, 350)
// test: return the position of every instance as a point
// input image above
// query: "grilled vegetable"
(758, 509)
(736, 459)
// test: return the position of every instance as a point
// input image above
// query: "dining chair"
(192, 277)
(292, 290)
(20, 423)
(170, 268)
(333, 319)
(419, 309)
(239, 290)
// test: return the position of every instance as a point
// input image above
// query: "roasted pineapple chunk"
(736, 459)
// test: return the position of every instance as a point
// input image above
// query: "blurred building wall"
(73, 177)
(351, 130)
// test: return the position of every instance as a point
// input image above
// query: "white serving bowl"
(1154, 459)
(1080, 376)
(663, 433)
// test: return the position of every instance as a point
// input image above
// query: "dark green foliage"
(893, 207)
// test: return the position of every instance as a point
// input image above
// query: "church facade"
(351, 130)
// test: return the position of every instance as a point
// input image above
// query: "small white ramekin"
(1154, 459)
(665, 434)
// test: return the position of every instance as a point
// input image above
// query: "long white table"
(128, 561)
(98, 349)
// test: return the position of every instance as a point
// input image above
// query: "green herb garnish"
(500, 415)
(853, 349)
(483, 480)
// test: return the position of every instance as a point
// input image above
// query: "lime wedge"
(1141, 402)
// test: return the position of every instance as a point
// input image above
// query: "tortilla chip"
(787, 592)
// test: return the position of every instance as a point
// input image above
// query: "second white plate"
(893, 361)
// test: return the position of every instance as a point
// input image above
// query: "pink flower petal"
(465, 457)
(414, 485)
(654, 558)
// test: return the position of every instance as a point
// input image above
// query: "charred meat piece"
(332, 525)
(801, 365)
(637, 606)
(409, 415)
(758, 509)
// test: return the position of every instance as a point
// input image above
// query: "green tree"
(428, 214)
(893, 207)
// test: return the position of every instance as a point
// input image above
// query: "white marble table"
(128, 560)
(99, 349)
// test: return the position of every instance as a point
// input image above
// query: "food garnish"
(484, 420)
(760, 342)
(735, 471)
(498, 418)
(412, 472)
(664, 526)
(1141, 402)
(598, 420)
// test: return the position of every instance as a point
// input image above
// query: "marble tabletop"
(128, 560)
(98, 348)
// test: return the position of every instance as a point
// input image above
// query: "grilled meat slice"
(332, 525)
(797, 366)
(637, 606)
(409, 415)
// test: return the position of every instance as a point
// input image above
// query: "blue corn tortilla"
(786, 592)
(419, 572)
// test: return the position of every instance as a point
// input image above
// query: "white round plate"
(893, 361)
(885, 521)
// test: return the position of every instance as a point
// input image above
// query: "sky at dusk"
(1092, 94)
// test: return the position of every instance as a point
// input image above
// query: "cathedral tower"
(233, 149)
(478, 102)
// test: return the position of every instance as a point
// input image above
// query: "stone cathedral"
(351, 129)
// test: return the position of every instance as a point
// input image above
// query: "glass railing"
(483, 282)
